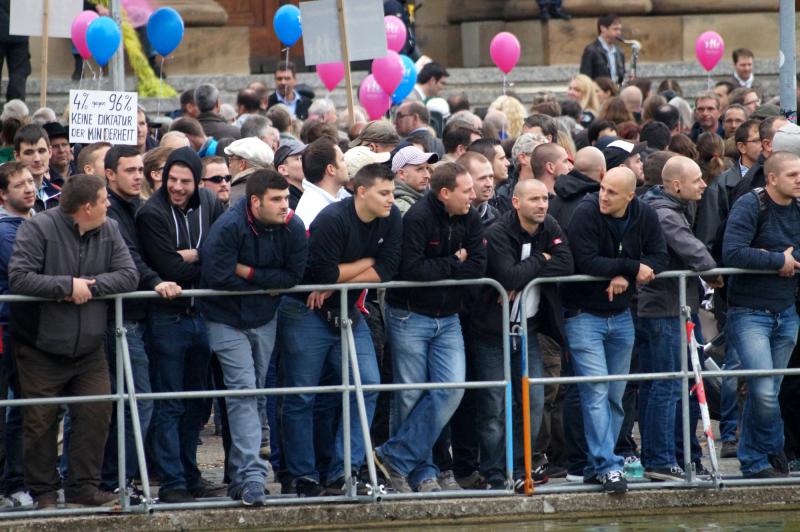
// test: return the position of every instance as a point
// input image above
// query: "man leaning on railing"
(59, 345)
(763, 232)
(613, 234)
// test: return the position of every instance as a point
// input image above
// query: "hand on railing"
(317, 298)
(168, 289)
(645, 275)
(81, 293)
(790, 265)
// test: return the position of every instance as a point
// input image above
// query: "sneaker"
(176, 496)
(700, 470)
(340, 485)
(519, 484)
(728, 449)
(205, 489)
(794, 465)
(47, 501)
(21, 500)
(539, 475)
(664, 473)
(614, 483)
(306, 487)
(398, 482)
(496, 484)
(592, 480)
(95, 498)
(555, 471)
(779, 463)
(135, 495)
(574, 478)
(633, 467)
(474, 481)
(764, 473)
(429, 485)
(447, 481)
(253, 494)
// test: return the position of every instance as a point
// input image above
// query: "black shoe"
(206, 489)
(339, 485)
(175, 496)
(544, 16)
(614, 483)
(539, 475)
(764, 473)
(592, 480)
(556, 471)
(557, 12)
(674, 473)
(496, 484)
(779, 463)
(76, 74)
(306, 487)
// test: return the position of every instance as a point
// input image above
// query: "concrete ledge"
(431, 512)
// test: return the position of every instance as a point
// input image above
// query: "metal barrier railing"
(684, 375)
(124, 380)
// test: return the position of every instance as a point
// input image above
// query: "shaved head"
(622, 178)
(590, 162)
(617, 190)
(679, 168)
(523, 187)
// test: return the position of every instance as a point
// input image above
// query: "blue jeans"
(763, 340)
(424, 349)
(244, 357)
(487, 361)
(141, 383)
(180, 357)
(729, 406)
(660, 352)
(308, 342)
(601, 346)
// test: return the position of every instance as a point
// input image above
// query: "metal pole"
(787, 56)
(117, 65)
(120, 330)
(343, 314)
(685, 312)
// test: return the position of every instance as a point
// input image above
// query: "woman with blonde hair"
(582, 89)
(514, 111)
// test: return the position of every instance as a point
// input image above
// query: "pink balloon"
(388, 71)
(709, 48)
(396, 33)
(331, 74)
(505, 51)
(78, 32)
(373, 98)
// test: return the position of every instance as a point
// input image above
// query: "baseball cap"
(377, 131)
(787, 138)
(617, 151)
(288, 148)
(412, 155)
(765, 111)
(360, 156)
(253, 150)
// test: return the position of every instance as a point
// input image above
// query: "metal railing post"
(509, 419)
(344, 315)
(120, 369)
(686, 314)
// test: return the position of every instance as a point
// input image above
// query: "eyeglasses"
(752, 140)
(218, 178)
(752, 102)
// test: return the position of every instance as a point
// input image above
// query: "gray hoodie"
(660, 299)
(405, 196)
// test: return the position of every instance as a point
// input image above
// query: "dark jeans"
(13, 467)
(18, 60)
(487, 359)
(180, 356)
(141, 384)
(45, 375)
(551, 435)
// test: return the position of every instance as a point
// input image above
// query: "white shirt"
(744, 82)
(314, 199)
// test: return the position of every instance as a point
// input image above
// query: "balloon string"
(160, 94)
(709, 81)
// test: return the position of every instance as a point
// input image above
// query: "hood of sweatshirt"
(185, 156)
(574, 185)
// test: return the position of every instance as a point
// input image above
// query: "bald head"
(632, 97)
(590, 162)
(523, 187)
(679, 168)
(617, 190)
(622, 178)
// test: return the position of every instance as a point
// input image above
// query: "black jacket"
(216, 126)
(505, 240)
(124, 212)
(594, 62)
(164, 229)
(754, 178)
(599, 249)
(570, 190)
(300, 110)
(430, 239)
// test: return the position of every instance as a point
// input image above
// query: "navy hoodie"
(164, 229)
(8, 233)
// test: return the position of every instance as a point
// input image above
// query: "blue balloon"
(103, 38)
(408, 81)
(287, 24)
(165, 30)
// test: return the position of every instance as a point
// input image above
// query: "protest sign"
(366, 35)
(108, 116)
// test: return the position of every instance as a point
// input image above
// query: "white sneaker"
(574, 478)
(21, 499)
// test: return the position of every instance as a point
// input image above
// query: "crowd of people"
(282, 189)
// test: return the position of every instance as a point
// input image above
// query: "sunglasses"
(218, 178)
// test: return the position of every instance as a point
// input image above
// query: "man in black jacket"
(602, 57)
(355, 240)
(523, 244)
(615, 235)
(285, 93)
(125, 174)
(584, 178)
(442, 239)
(172, 226)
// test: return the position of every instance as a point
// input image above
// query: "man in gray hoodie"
(660, 324)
